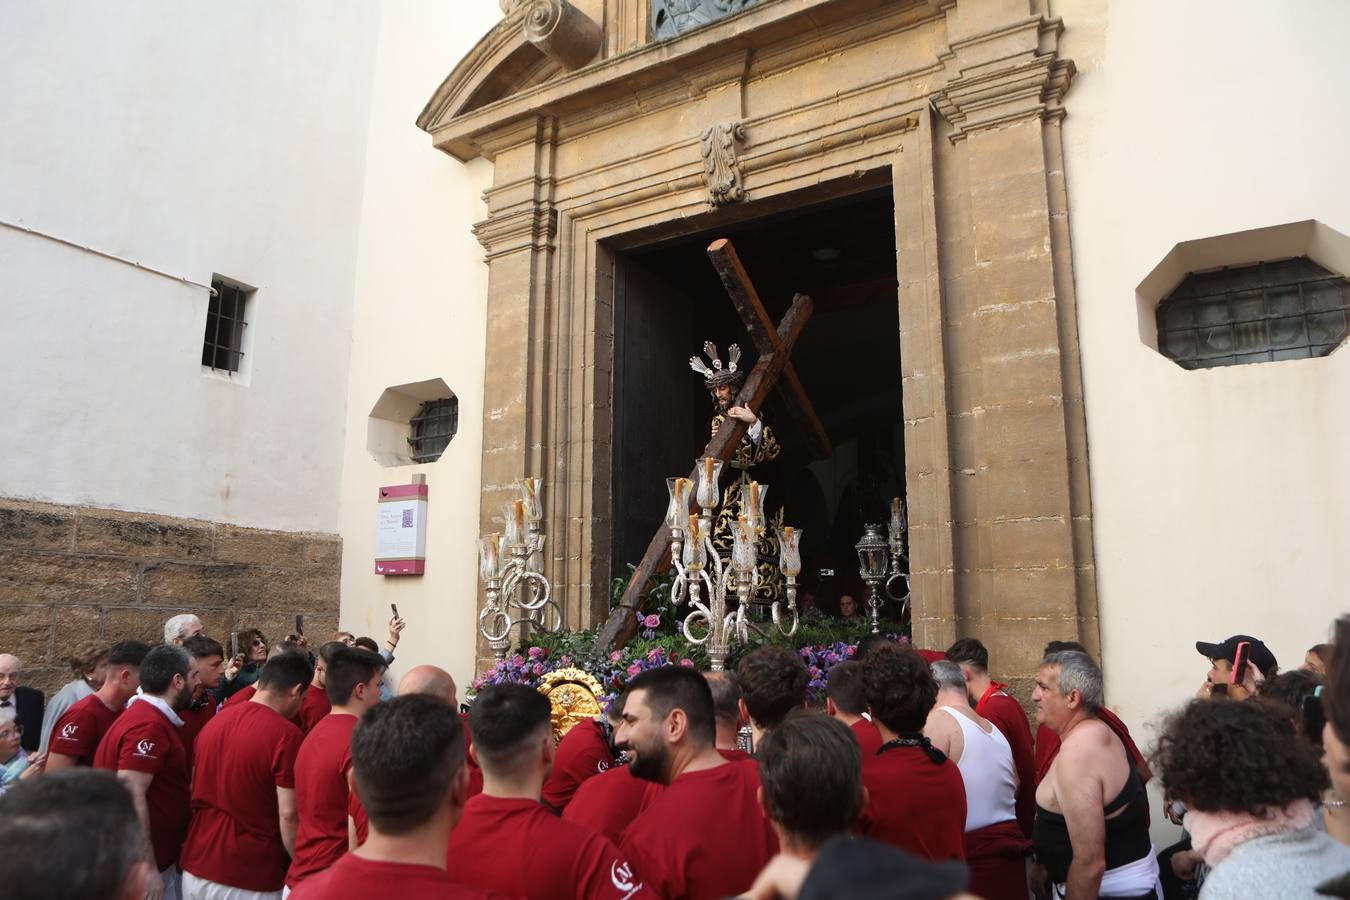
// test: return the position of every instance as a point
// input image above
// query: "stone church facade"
(601, 139)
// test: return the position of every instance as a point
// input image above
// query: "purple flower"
(536, 652)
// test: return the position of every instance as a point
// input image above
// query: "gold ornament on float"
(574, 696)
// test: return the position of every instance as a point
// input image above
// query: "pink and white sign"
(401, 530)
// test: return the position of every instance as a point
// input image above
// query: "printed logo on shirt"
(146, 749)
(602, 766)
(621, 873)
(68, 732)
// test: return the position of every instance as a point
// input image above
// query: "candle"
(708, 468)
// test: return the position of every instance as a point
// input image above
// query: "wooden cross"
(772, 370)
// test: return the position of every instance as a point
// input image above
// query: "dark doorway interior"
(668, 301)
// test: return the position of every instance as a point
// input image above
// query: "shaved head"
(431, 680)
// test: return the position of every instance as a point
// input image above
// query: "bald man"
(431, 680)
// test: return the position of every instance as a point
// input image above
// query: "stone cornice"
(995, 92)
(533, 228)
(459, 130)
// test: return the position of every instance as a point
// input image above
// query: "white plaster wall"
(197, 138)
(1220, 500)
(420, 314)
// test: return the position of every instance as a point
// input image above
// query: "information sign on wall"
(401, 530)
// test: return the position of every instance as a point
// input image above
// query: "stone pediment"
(503, 63)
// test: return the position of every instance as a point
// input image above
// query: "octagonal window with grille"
(1289, 309)
(432, 428)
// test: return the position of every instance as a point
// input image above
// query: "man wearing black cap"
(1222, 656)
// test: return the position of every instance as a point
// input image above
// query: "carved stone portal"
(675, 17)
(721, 166)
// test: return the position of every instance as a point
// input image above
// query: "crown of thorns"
(716, 374)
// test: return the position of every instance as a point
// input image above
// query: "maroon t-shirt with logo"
(583, 753)
(321, 771)
(608, 803)
(355, 878)
(78, 732)
(144, 740)
(243, 755)
(914, 803)
(519, 847)
(705, 836)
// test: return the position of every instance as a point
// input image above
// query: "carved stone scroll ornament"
(721, 167)
(562, 31)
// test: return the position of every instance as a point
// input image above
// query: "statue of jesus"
(757, 446)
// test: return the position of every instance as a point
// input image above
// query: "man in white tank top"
(996, 849)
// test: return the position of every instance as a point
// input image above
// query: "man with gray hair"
(996, 849)
(1091, 831)
(181, 627)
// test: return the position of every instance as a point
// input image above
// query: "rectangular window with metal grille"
(432, 428)
(223, 346)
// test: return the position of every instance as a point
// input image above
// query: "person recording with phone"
(1238, 665)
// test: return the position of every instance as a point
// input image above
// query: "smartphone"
(394, 607)
(299, 624)
(234, 644)
(1244, 650)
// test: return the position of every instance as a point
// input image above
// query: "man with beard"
(208, 659)
(143, 747)
(706, 835)
(510, 842)
(757, 447)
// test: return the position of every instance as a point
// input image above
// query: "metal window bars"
(222, 347)
(432, 428)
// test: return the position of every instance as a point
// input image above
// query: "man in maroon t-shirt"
(208, 661)
(324, 763)
(844, 700)
(144, 749)
(507, 840)
(317, 704)
(916, 798)
(243, 789)
(706, 835)
(408, 767)
(76, 734)
(585, 751)
(992, 701)
(726, 693)
(773, 682)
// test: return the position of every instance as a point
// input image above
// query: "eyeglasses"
(259, 642)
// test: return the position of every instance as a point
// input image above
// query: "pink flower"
(538, 668)
(652, 621)
(654, 654)
(616, 656)
(566, 660)
(687, 662)
(517, 660)
(536, 652)
(851, 652)
(634, 670)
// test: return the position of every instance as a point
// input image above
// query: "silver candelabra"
(881, 563)
(701, 573)
(512, 568)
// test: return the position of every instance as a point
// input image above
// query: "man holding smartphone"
(1252, 659)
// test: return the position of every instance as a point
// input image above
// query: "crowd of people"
(181, 770)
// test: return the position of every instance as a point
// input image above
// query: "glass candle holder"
(753, 495)
(897, 523)
(530, 496)
(743, 548)
(514, 515)
(789, 550)
(677, 513)
(709, 470)
(536, 561)
(695, 556)
(489, 556)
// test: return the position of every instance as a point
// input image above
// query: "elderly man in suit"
(27, 702)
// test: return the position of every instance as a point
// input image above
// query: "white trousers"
(195, 888)
(173, 889)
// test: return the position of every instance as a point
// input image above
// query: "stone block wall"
(69, 574)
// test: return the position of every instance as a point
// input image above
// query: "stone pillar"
(1018, 487)
(519, 237)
